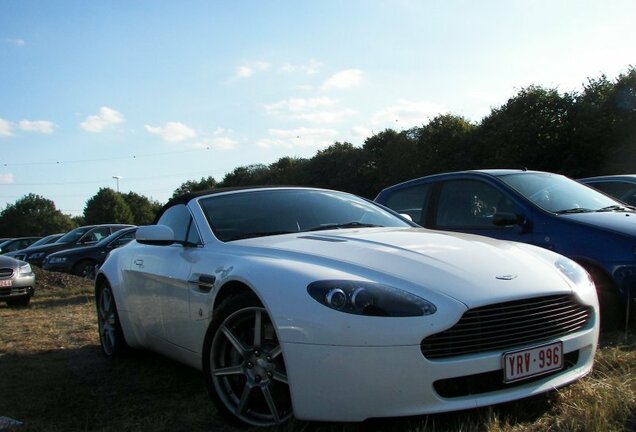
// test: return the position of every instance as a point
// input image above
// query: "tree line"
(587, 132)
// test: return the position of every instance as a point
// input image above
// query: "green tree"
(530, 130)
(107, 206)
(251, 175)
(603, 124)
(33, 215)
(391, 158)
(340, 166)
(444, 144)
(142, 208)
(193, 186)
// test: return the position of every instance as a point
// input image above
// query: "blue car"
(543, 209)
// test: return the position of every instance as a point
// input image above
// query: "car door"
(165, 278)
(470, 205)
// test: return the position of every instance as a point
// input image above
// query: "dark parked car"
(82, 261)
(82, 236)
(539, 208)
(43, 241)
(17, 281)
(17, 243)
(621, 187)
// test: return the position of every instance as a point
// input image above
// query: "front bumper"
(350, 383)
(20, 287)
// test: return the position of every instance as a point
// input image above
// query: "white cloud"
(105, 118)
(5, 127)
(224, 143)
(299, 105)
(39, 126)
(342, 80)
(248, 70)
(407, 114)
(298, 138)
(6, 178)
(311, 110)
(17, 42)
(244, 72)
(361, 132)
(172, 131)
(310, 68)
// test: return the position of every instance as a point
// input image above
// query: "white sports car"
(325, 306)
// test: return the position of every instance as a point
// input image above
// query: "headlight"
(370, 299)
(57, 260)
(36, 255)
(574, 272)
(25, 269)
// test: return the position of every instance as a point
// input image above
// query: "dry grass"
(54, 378)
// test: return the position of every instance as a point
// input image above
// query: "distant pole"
(117, 180)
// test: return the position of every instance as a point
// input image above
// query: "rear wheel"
(111, 336)
(244, 367)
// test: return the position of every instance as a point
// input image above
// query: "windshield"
(558, 194)
(45, 240)
(270, 212)
(73, 236)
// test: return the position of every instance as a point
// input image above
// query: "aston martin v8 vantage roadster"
(325, 306)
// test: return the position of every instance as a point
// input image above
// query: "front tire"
(85, 269)
(244, 367)
(111, 336)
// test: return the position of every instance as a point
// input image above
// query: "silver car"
(17, 281)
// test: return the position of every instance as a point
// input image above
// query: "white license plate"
(530, 362)
(5, 283)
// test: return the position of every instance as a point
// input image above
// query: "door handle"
(139, 262)
(205, 282)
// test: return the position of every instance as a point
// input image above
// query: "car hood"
(617, 221)
(54, 247)
(473, 269)
(75, 249)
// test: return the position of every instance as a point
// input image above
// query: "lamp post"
(117, 179)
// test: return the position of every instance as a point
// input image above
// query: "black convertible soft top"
(187, 197)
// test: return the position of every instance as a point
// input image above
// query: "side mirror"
(507, 219)
(158, 235)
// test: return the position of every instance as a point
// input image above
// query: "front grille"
(6, 273)
(509, 325)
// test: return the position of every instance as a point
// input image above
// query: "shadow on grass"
(79, 389)
(69, 390)
(61, 302)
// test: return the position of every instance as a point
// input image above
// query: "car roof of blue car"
(483, 172)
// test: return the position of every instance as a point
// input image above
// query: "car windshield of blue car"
(558, 194)
(269, 212)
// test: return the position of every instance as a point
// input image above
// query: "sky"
(145, 95)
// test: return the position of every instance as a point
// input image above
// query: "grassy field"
(54, 378)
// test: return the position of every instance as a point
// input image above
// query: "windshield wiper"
(259, 234)
(616, 207)
(343, 225)
(574, 210)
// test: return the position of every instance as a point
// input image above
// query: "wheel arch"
(234, 288)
